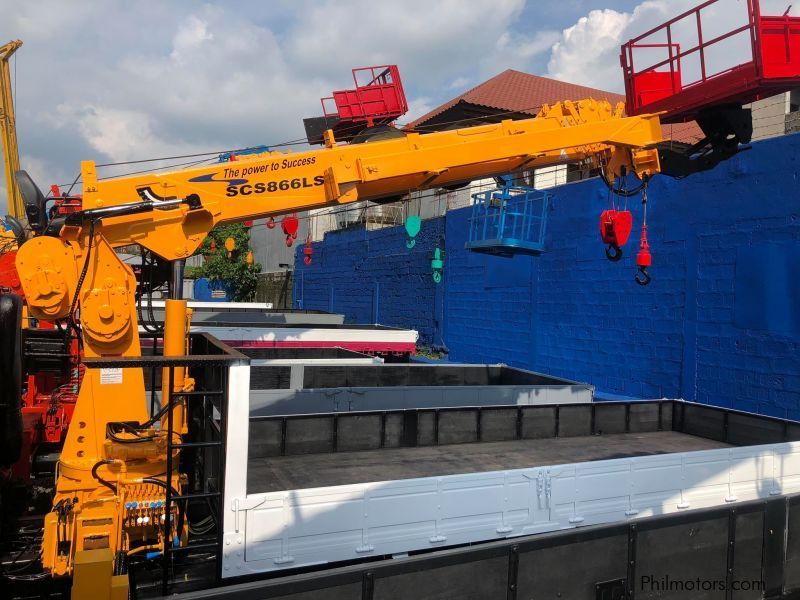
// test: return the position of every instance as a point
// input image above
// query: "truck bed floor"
(274, 474)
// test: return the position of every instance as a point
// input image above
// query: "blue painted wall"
(719, 324)
(372, 277)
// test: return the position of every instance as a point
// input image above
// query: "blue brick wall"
(719, 324)
(371, 277)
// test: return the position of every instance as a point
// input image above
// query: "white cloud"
(587, 52)
(515, 51)
(36, 168)
(130, 80)
(189, 38)
(418, 107)
(582, 55)
(459, 83)
(137, 80)
(431, 41)
(125, 134)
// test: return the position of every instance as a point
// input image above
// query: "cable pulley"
(616, 222)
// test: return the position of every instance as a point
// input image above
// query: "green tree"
(232, 269)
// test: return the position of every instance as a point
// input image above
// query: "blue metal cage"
(509, 220)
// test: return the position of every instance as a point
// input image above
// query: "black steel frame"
(208, 363)
(720, 424)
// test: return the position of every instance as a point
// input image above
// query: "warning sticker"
(111, 376)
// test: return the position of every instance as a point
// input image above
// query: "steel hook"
(642, 276)
(613, 253)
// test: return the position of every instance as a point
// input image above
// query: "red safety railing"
(380, 98)
(772, 66)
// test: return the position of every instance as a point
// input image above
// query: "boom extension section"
(273, 183)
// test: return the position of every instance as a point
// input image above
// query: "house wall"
(371, 277)
(769, 116)
(720, 322)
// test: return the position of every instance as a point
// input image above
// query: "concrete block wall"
(371, 277)
(720, 322)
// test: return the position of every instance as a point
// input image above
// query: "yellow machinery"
(8, 130)
(112, 476)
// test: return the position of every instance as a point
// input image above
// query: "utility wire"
(297, 141)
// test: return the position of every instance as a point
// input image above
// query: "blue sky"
(117, 81)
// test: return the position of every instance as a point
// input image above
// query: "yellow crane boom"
(8, 130)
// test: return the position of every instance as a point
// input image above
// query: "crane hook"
(642, 276)
(613, 253)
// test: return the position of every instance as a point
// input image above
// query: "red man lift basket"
(687, 65)
(377, 99)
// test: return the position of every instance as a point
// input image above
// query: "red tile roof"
(515, 91)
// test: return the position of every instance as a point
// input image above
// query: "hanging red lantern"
(248, 224)
(290, 224)
(271, 223)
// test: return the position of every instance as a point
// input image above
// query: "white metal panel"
(656, 485)
(315, 362)
(235, 492)
(787, 470)
(269, 335)
(241, 306)
(304, 527)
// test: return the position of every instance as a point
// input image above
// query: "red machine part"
(49, 397)
(9, 278)
(615, 229)
(378, 97)
(47, 407)
(616, 226)
(308, 251)
(65, 204)
(290, 224)
(698, 69)
(643, 258)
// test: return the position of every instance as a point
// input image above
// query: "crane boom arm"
(274, 183)
(8, 131)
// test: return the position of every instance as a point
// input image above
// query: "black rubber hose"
(160, 483)
(106, 483)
